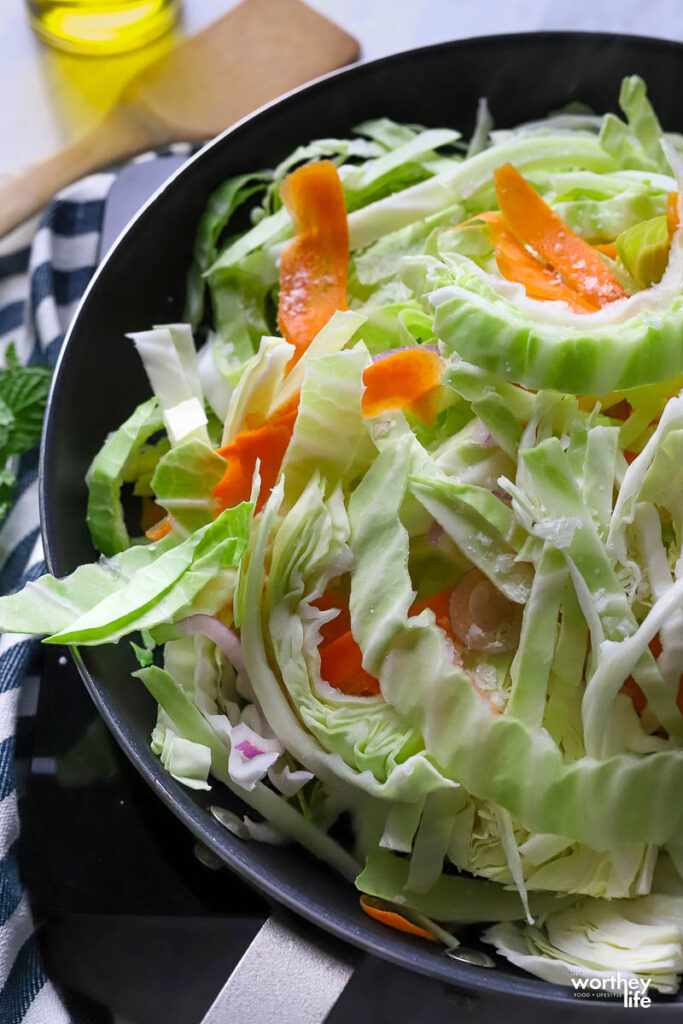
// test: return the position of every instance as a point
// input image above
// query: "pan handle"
(284, 976)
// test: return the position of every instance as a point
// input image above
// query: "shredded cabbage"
(496, 563)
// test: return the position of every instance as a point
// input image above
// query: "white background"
(48, 98)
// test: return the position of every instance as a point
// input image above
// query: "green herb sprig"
(23, 397)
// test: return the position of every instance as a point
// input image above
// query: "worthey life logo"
(633, 991)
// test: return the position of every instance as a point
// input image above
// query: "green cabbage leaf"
(119, 461)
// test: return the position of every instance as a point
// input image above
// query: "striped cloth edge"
(45, 266)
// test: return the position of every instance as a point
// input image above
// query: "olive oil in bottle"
(101, 26)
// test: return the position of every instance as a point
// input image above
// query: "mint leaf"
(23, 397)
(8, 485)
(11, 357)
(24, 390)
(6, 429)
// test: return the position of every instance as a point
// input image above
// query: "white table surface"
(48, 97)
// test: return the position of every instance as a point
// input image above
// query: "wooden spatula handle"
(120, 135)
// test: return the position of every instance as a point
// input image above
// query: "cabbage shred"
(536, 789)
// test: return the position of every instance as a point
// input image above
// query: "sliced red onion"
(222, 636)
(502, 495)
(434, 534)
(439, 539)
(482, 618)
(403, 348)
(248, 749)
(250, 756)
(481, 435)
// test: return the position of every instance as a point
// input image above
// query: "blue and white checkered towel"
(45, 266)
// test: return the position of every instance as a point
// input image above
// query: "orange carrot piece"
(341, 624)
(516, 263)
(341, 659)
(341, 665)
(267, 443)
(621, 410)
(150, 514)
(373, 908)
(608, 249)
(314, 266)
(672, 212)
(631, 688)
(159, 530)
(440, 605)
(655, 646)
(532, 220)
(410, 379)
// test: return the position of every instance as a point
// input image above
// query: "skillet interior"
(100, 380)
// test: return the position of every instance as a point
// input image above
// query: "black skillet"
(99, 381)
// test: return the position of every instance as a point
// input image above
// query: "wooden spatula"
(254, 53)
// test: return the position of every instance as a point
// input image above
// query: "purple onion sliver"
(222, 636)
(481, 435)
(435, 533)
(248, 749)
(502, 495)
(403, 348)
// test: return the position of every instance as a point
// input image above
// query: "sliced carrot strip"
(672, 212)
(158, 531)
(516, 263)
(533, 221)
(608, 249)
(655, 646)
(631, 688)
(410, 379)
(341, 665)
(268, 444)
(374, 908)
(621, 410)
(151, 514)
(440, 605)
(341, 659)
(341, 624)
(314, 266)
